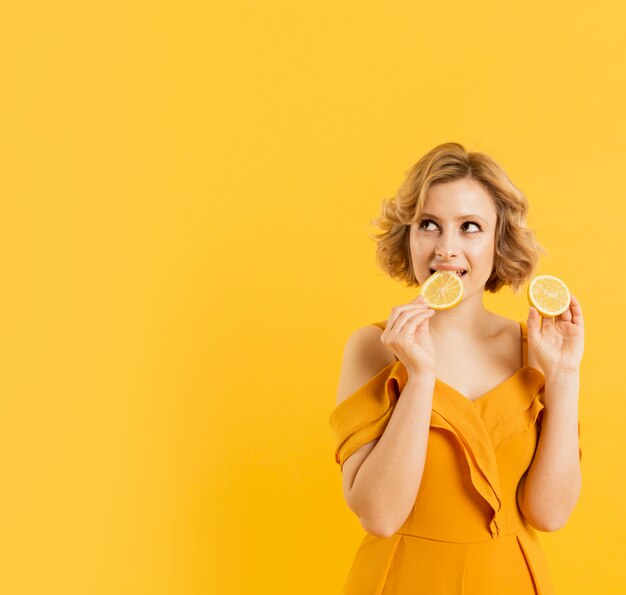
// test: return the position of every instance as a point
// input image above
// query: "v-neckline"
(500, 384)
(491, 390)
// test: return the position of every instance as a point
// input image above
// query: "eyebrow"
(468, 216)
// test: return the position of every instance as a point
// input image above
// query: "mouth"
(460, 272)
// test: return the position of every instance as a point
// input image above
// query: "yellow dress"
(465, 533)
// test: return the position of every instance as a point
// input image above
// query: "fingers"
(402, 315)
(414, 322)
(396, 311)
(537, 322)
(534, 322)
(415, 314)
(574, 315)
(577, 311)
(566, 316)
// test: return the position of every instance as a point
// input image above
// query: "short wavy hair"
(516, 249)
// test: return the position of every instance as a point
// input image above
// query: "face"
(456, 227)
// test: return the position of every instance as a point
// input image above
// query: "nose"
(446, 253)
(445, 247)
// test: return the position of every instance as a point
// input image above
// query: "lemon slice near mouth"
(549, 295)
(442, 290)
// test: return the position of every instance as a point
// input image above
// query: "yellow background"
(185, 201)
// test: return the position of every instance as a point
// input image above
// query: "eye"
(428, 221)
(473, 223)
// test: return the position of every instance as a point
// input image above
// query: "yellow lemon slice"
(442, 290)
(549, 295)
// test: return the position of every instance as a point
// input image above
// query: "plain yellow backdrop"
(186, 191)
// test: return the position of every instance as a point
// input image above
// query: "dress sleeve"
(364, 415)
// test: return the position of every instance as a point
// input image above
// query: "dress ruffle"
(481, 426)
(364, 415)
(495, 434)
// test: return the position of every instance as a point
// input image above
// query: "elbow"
(372, 521)
(380, 521)
(377, 531)
(547, 518)
(550, 525)
(378, 527)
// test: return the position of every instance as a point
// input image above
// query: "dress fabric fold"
(465, 532)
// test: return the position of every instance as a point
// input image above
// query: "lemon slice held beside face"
(442, 290)
(549, 295)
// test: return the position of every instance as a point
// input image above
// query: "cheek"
(421, 245)
(483, 253)
(421, 252)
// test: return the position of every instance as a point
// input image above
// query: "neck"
(468, 319)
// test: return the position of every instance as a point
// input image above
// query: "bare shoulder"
(364, 355)
(504, 334)
(506, 337)
(503, 327)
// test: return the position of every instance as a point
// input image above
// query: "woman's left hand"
(557, 342)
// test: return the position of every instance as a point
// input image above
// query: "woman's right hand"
(408, 336)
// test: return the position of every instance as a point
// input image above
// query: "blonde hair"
(516, 250)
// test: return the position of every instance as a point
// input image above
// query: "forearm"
(386, 485)
(553, 482)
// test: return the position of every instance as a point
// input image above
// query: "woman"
(457, 430)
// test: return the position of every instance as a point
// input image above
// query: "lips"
(459, 272)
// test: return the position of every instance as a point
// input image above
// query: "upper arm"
(363, 357)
